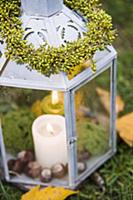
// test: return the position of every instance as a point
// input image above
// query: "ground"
(117, 172)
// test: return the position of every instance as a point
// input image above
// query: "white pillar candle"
(49, 136)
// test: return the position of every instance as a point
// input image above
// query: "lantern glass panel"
(34, 120)
(92, 108)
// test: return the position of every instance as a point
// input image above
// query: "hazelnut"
(26, 156)
(46, 175)
(81, 167)
(33, 169)
(58, 170)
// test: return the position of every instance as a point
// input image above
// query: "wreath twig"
(53, 60)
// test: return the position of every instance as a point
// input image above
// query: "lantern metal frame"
(15, 75)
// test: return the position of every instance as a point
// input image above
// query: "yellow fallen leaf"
(49, 193)
(105, 100)
(32, 194)
(125, 128)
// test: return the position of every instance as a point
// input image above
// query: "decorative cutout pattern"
(69, 32)
(35, 32)
(65, 30)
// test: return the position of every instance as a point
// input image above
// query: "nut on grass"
(98, 180)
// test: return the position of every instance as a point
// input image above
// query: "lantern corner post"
(113, 114)
(71, 137)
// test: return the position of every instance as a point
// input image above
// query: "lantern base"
(25, 183)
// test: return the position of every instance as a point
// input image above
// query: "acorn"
(33, 169)
(98, 180)
(18, 166)
(58, 170)
(84, 155)
(46, 175)
(81, 167)
(11, 163)
(26, 156)
(15, 166)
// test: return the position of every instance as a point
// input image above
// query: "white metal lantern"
(81, 116)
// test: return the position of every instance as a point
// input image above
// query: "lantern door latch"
(72, 141)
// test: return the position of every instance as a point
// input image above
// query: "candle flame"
(55, 97)
(50, 128)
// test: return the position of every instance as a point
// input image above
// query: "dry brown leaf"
(125, 128)
(105, 100)
(49, 193)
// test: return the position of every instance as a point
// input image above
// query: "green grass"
(9, 192)
(117, 172)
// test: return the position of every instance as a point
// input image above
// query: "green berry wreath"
(54, 60)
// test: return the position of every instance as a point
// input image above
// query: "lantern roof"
(18, 75)
(49, 23)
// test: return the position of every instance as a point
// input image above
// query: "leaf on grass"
(125, 128)
(49, 193)
(32, 194)
(105, 100)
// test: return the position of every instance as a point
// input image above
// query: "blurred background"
(122, 14)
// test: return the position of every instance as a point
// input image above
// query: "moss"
(17, 130)
(92, 137)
